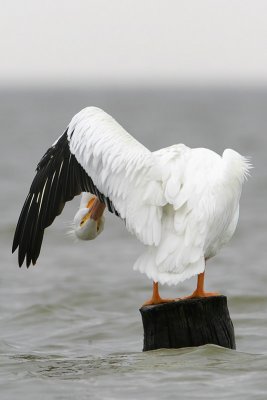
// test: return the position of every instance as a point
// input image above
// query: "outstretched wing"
(95, 154)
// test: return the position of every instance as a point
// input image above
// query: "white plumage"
(181, 203)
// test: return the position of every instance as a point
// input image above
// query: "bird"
(182, 203)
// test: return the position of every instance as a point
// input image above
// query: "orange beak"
(95, 210)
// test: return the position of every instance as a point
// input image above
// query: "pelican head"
(85, 227)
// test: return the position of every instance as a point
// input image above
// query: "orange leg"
(200, 292)
(156, 299)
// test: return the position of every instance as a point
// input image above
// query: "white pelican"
(182, 203)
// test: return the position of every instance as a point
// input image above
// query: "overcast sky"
(133, 42)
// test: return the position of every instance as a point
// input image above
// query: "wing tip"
(14, 248)
(21, 258)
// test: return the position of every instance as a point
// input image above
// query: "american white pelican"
(182, 203)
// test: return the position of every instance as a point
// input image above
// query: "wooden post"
(188, 323)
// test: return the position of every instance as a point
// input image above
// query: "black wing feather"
(59, 177)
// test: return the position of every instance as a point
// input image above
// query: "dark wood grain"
(188, 323)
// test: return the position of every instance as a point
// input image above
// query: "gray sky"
(133, 42)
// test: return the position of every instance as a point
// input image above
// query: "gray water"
(70, 327)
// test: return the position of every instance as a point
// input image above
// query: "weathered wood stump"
(188, 323)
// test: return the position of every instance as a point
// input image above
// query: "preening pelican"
(89, 220)
(182, 203)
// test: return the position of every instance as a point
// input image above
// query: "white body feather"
(182, 203)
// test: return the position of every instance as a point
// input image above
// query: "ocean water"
(70, 326)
